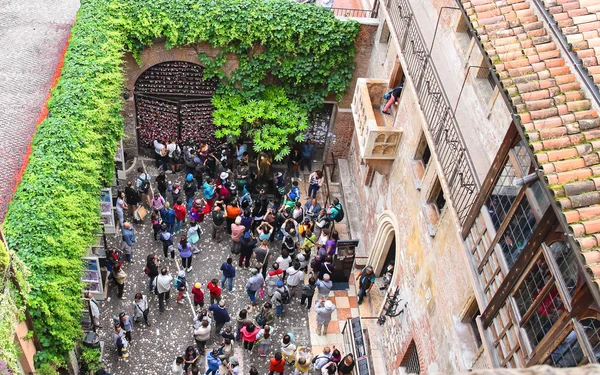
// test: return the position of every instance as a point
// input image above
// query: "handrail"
(356, 13)
(448, 142)
(571, 56)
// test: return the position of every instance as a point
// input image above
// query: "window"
(591, 328)
(564, 257)
(440, 200)
(422, 159)
(385, 33)
(518, 232)
(503, 195)
(567, 354)
(470, 317)
(411, 360)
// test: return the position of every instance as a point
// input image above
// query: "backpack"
(285, 296)
(145, 184)
(177, 283)
(176, 154)
(147, 270)
(294, 194)
(340, 215)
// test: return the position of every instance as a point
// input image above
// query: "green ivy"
(301, 49)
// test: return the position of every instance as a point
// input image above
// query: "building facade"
(480, 186)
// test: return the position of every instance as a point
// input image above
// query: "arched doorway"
(384, 250)
(173, 101)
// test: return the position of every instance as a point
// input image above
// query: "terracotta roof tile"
(562, 127)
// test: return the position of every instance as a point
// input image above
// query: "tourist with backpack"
(189, 189)
(324, 309)
(167, 241)
(280, 298)
(143, 185)
(308, 292)
(321, 360)
(335, 212)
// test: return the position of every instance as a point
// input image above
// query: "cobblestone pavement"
(154, 348)
(33, 34)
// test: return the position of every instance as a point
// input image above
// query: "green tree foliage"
(54, 213)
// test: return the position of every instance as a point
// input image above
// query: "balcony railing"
(353, 13)
(448, 142)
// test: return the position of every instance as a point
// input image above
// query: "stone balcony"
(378, 140)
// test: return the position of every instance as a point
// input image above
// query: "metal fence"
(356, 13)
(448, 143)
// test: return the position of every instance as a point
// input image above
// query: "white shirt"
(176, 369)
(171, 147)
(163, 283)
(284, 264)
(295, 277)
(158, 147)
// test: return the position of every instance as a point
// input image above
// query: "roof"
(562, 127)
(579, 21)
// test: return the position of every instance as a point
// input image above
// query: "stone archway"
(385, 237)
(173, 101)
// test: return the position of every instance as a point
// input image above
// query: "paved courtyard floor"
(33, 34)
(154, 348)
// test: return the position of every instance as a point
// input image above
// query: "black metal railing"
(355, 13)
(448, 142)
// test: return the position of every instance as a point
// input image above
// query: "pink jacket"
(249, 336)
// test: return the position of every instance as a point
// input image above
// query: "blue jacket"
(307, 150)
(185, 253)
(220, 314)
(128, 236)
(228, 270)
(212, 362)
(169, 216)
(209, 191)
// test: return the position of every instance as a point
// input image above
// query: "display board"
(355, 343)
(92, 277)
(120, 162)
(343, 262)
(107, 215)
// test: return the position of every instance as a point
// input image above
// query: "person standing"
(346, 365)
(248, 334)
(315, 181)
(212, 362)
(202, 335)
(366, 279)
(255, 282)
(180, 284)
(168, 215)
(188, 159)
(215, 291)
(185, 252)
(127, 325)
(128, 240)
(208, 189)
(288, 349)
(276, 364)
(264, 341)
(167, 241)
(180, 213)
(132, 198)
(94, 311)
(275, 275)
(228, 273)
(193, 236)
(189, 189)
(280, 298)
(198, 295)
(151, 270)
(190, 357)
(322, 359)
(119, 276)
(220, 314)
(237, 231)
(307, 151)
(143, 185)
(161, 184)
(247, 244)
(266, 315)
(295, 157)
(163, 287)
(308, 292)
(140, 308)
(158, 203)
(233, 211)
(324, 309)
(218, 223)
(303, 360)
(324, 286)
(295, 277)
(120, 207)
(120, 341)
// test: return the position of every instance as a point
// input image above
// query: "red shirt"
(179, 211)
(277, 366)
(215, 291)
(198, 295)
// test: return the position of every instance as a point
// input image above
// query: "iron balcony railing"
(355, 13)
(453, 155)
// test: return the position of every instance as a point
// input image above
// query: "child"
(264, 341)
(198, 295)
(277, 364)
(181, 285)
(288, 349)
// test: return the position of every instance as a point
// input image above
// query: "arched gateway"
(173, 101)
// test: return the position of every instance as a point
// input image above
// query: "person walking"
(306, 152)
(394, 97)
(119, 276)
(120, 342)
(128, 240)
(315, 181)
(198, 295)
(324, 286)
(277, 364)
(218, 223)
(158, 203)
(247, 245)
(152, 265)
(253, 285)
(248, 334)
(220, 315)
(161, 184)
(202, 335)
(180, 213)
(127, 325)
(308, 292)
(143, 185)
(324, 309)
(166, 238)
(228, 273)
(185, 252)
(180, 283)
(215, 291)
(212, 362)
(322, 359)
(366, 280)
(163, 287)
(132, 198)
(141, 308)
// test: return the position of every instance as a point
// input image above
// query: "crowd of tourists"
(275, 231)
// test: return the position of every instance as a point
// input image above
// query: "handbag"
(261, 292)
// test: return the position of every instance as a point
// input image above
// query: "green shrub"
(54, 213)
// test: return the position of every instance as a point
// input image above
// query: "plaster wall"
(431, 271)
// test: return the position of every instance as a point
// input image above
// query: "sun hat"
(224, 175)
(329, 305)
